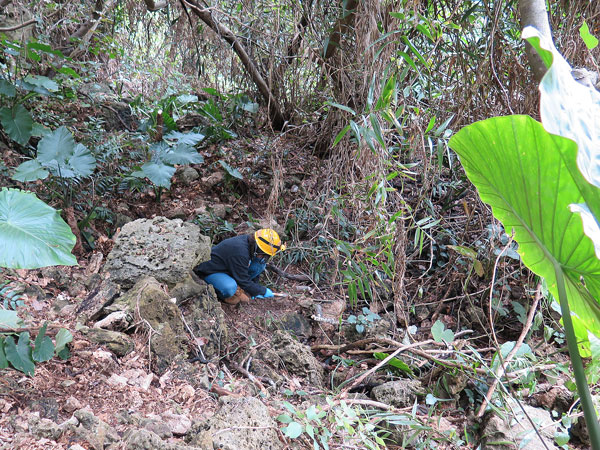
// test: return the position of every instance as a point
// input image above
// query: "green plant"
(177, 148)
(534, 181)
(23, 356)
(32, 234)
(363, 320)
(17, 86)
(11, 298)
(334, 422)
(60, 156)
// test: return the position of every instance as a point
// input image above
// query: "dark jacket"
(232, 256)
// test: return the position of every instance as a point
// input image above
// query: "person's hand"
(268, 293)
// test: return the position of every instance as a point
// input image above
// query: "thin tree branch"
(17, 27)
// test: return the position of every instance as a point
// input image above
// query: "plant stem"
(589, 412)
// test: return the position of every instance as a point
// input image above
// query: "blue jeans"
(225, 286)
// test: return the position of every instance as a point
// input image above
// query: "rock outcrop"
(161, 248)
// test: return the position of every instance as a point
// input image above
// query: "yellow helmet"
(268, 241)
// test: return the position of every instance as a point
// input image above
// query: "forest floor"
(439, 285)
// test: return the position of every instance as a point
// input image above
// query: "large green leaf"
(570, 109)
(182, 154)
(32, 234)
(19, 355)
(9, 319)
(7, 88)
(519, 169)
(30, 171)
(17, 122)
(59, 152)
(160, 174)
(184, 138)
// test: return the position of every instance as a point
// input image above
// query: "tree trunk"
(533, 13)
(85, 31)
(276, 115)
(341, 27)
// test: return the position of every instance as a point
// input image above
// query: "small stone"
(187, 175)
(117, 380)
(179, 424)
(72, 404)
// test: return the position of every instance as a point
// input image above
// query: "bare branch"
(17, 27)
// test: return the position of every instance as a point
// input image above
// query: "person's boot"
(239, 296)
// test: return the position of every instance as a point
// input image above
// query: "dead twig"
(289, 276)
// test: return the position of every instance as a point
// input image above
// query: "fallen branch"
(289, 276)
(17, 27)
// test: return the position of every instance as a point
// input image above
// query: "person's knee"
(228, 287)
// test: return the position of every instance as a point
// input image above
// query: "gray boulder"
(147, 440)
(239, 424)
(203, 313)
(164, 249)
(399, 393)
(287, 353)
(515, 432)
(150, 306)
(118, 343)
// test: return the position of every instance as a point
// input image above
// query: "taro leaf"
(7, 88)
(32, 234)
(42, 82)
(56, 146)
(293, 430)
(30, 170)
(82, 162)
(160, 174)
(591, 42)
(9, 319)
(3, 360)
(39, 130)
(571, 109)
(17, 122)
(526, 175)
(440, 333)
(19, 355)
(182, 154)
(231, 171)
(63, 337)
(184, 138)
(59, 153)
(187, 98)
(43, 349)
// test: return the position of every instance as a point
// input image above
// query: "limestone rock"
(507, 433)
(118, 343)
(239, 424)
(204, 315)
(147, 440)
(292, 356)
(399, 393)
(147, 301)
(187, 175)
(164, 249)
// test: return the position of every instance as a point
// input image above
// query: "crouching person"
(236, 263)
